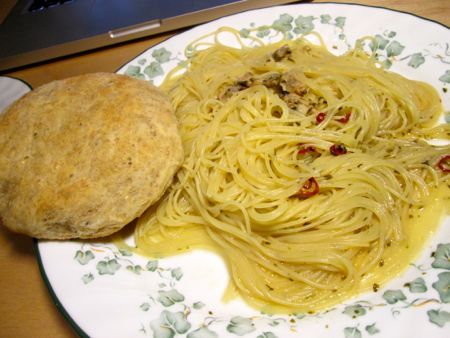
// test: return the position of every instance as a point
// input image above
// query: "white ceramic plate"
(11, 90)
(105, 292)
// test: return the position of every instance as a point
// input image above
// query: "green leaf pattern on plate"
(240, 326)
(304, 24)
(87, 278)
(442, 286)
(439, 317)
(393, 296)
(153, 70)
(244, 32)
(352, 332)
(198, 305)
(442, 253)
(152, 265)
(267, 335)
(134, 71)
(325, 19)
(372, 329)
(135, 269)
(263, 31)
(84, 257)
(394, 48)
(177, 273)
(283, 23)
(355, 311)
(145, 306)
(340, 21)
(108, 267)
(416, 60)
(161, 55)
(380, 43)
(125, 253)
(445, 78)
(203, 332)
(168, 324)
(170, 297)
(417, 285)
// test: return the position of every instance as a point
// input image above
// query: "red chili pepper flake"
(320, 117)
(444, 164)
(338, 149)
(307, 149)
(345, 118)
(309, 188)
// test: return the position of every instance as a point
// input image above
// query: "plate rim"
(60, 307)
(345, 4)
(20, 80)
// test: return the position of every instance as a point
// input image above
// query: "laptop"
(40, 30)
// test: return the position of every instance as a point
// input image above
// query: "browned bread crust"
(84, 156)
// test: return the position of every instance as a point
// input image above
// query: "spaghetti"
(308, 172)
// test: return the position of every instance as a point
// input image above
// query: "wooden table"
(26, 308)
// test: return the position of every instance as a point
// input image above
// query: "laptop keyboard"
(40, 5)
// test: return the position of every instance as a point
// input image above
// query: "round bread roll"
(84, 156)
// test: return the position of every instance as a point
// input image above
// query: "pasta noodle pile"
(304, 170)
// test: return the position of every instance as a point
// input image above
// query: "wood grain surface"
(26, 308)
